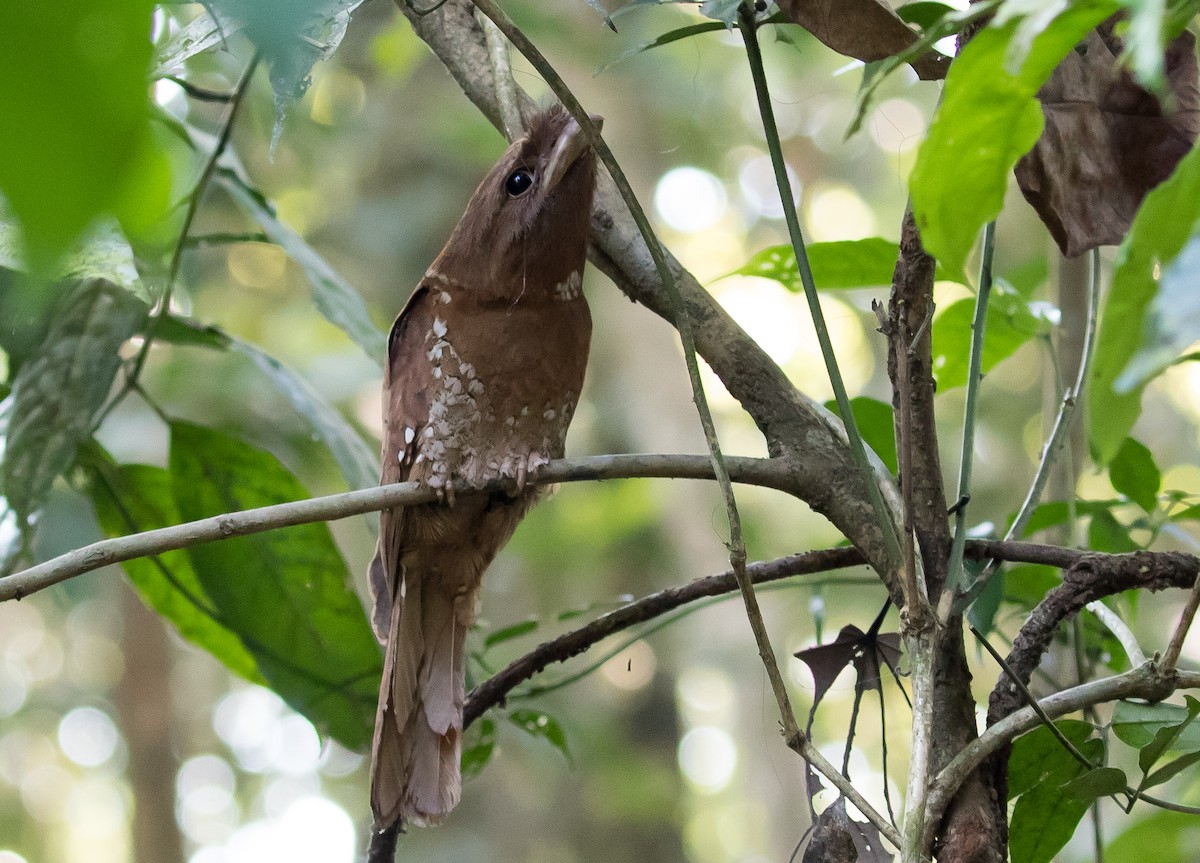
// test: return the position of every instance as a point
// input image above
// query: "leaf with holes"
(478, 751)
(1011, 322)
(62, 385)
(286, 593)
(837, 265)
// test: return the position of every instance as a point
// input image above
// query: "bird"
(485, 364)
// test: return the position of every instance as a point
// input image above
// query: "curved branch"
(1145, 681)
(495, 689)
(770, 473)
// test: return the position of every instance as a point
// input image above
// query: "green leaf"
(1134, 474)
(1172, 320)
(291, 36)
(1166, 737)
(286, 592)
(1169, 215)
(1056, 512)
(1108, 535)
(357, 462)
(539, 724)
(1169, 835)
(335, 298)
(876, 425)
(178, 330)
(479, 752)
(76, 139)
(722, 10)
(1100, 782)
(1044, 817)
(664, 39)
(514, 630)
(923, 13)
(1011, 322)
(988, 119)
(1038, 757)
(1170, 770)
(1191, 513)
(1137, 724)
(838, 265)
(135, 498)
(60, 388)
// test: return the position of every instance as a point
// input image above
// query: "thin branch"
(1120, 630)
(767, 472)
(1146, 681)
(506, 87)
(967, 457)
(749, 28)
(683, 324)
(498, 687)
(1171, 655)
(210, 166)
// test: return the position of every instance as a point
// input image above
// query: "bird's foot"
(527, 468)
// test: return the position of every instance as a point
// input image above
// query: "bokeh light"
(88, 736)
(708, 757)
(689, 199)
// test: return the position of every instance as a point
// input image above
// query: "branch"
(1090, 577)
(1148, 681)
(495, 689)
(770, 473)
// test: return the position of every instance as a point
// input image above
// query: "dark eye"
(518, 183)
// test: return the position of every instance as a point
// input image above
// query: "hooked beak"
(570, 145)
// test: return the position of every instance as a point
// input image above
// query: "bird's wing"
(408, 380)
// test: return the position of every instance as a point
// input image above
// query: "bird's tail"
(415, 776)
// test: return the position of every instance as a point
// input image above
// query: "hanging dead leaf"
(1107, 141)
(838, 839)
(866, 29)
(863, 650)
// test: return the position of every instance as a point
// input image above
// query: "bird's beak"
(570, 145)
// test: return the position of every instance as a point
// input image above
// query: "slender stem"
(683, 324)
(506, 88)
(974, 378)
(748, 27)
(210, 166)
(1171, 655)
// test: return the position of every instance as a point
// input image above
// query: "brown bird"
(485, 365)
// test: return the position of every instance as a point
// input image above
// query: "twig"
(1120, 630)
(967, 458)
(748, 26)
(1171, 654)
(506, 88)
(201, 94)
(498, 687)
(164, 303)
(767, 472)
(1145, 681)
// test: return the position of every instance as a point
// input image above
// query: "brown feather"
(485, 365)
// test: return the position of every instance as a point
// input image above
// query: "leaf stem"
(748, 27)
(974, 379)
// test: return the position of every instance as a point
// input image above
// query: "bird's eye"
(518, 183)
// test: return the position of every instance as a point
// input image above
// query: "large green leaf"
(988, 119)
(286, 592)
(1039, 757)
(60, 388)
(1172, 319)
(1045, 817)
(1138, 724)
(76, 140)
(358, 462)
(1011, 322)
(135, 498)
(1168, 217)
(333, 295)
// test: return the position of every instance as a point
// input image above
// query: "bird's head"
(526, 226)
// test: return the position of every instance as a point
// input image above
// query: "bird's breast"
(506, 382)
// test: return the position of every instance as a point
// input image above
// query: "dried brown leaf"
(1107, 141)
(866, 29)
